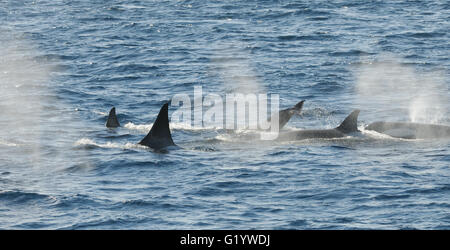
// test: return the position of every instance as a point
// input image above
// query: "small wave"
(225, 138)
(139, 203)
(420, 35)
(174, 126)
(100, 112)
(316, 113)
(205, 149)
(298, 223)
(90, 144)
(109, 223)
(391, 196)
(142, 127)
(351, 53)
(435, 190)
(22, 197)
(8, 144)
(314, 37)
(78, 200)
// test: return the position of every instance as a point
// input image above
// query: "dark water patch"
(363, 208)
(426, 34)
(441, 227)
(218, 190)
(267, 210)
(249, 215)
(418, 35)
(298, 223)
(344, 220)
(445, 158)
(79, 201)
(49, 58)
(121, 164)
(315, 37)
(125, 221)
(438, 205)
(391, 196)
(442, 189)
(22, 198)
(83, 167)
(394, 174)
(338, 147)
(131, 68)
(208, 191)
(312, 12)
(158, 204)
(229, 184)
(202, 224)
(319, 18)
(114, 137)
(280, 153)
(350, 53)
(412, 167)
(408, 228)
(98, 18)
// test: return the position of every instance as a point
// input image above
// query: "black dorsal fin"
(159, 136)
(350, 123)
(112, 119)
(286, 114)
(298, 107)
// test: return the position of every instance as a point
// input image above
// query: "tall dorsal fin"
(112, 119)
(159, 136)
(350, 123)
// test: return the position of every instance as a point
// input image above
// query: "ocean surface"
(64, 64)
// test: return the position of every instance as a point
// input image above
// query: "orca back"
(159, 136)
(350, 125)
(112, 122)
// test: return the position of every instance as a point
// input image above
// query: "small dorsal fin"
(112, 119)
(298, 107)
(350, 123)
(159, 136)
(286, 114)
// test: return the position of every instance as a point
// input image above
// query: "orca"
(112, 119)
(349, 125)
(286, 114)
(410, 130)
(159, 136)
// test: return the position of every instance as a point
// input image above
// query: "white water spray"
(400, 92)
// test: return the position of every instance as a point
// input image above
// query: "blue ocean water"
(64, 64)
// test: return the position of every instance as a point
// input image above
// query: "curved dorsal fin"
(350, 123)
(298, 107)
(159, 136)
(286, 114)
(112, 119)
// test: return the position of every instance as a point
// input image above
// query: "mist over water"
(35, 123)
(398, 92)
(23, 85)
(233, 65)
